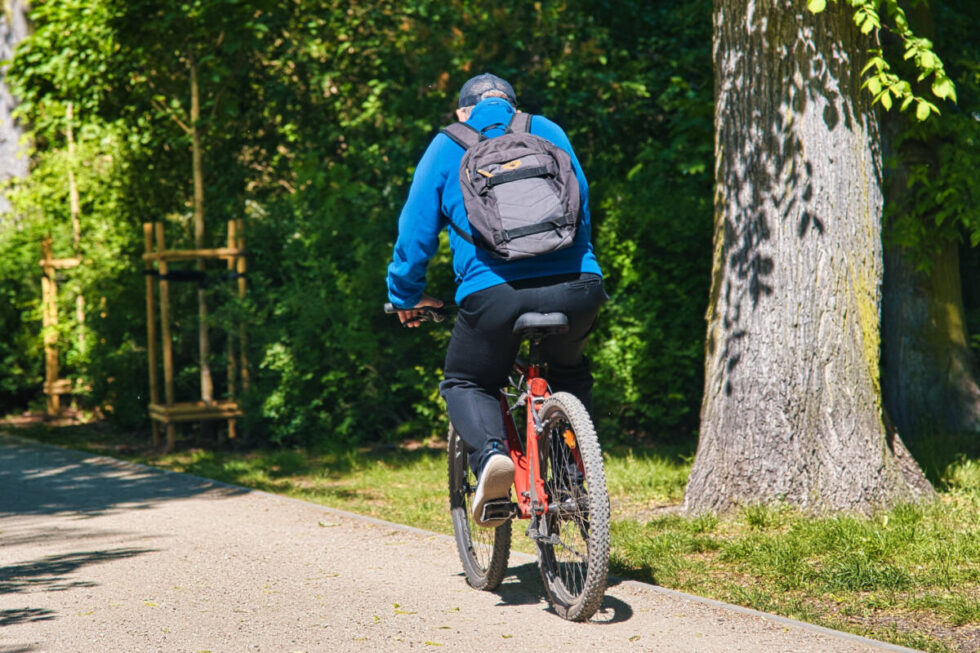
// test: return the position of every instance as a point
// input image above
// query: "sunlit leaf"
(922, 111)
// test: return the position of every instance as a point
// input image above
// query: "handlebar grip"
(428, 313)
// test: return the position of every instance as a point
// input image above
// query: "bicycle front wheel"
(573, 542)
(483, 551)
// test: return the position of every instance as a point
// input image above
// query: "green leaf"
(816, 6)
(922, 111)
(944, 88)
(875, 62)
(886, 100)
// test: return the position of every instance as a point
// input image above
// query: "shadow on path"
(523, 586)
(23, 616)
(50, 574)
(38, 480)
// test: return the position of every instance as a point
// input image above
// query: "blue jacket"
(435, 197)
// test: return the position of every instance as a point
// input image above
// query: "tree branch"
(162, 109)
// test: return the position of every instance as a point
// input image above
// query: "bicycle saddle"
(538, 325)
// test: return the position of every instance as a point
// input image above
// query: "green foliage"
(941, 199)
(654, 237)
(884, 84)
(20, 318)
(313, 114)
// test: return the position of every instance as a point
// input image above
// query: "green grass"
(910, 576)
(402, 486)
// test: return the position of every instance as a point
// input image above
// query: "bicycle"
(559, 481)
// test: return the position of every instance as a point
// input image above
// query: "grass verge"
(910, 576)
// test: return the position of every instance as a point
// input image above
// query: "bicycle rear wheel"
(483, 551)
(573, 547)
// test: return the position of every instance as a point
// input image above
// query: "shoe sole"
(498, 476)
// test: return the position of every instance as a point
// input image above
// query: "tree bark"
(929, 377)
(792, 408)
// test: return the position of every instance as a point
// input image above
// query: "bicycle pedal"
(497, 509)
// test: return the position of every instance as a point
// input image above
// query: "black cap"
(477, 87)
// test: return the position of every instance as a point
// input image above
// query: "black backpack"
(519, 190)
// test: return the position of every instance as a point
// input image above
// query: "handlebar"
(427, 313)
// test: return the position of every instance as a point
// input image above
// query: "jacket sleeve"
(419, 225)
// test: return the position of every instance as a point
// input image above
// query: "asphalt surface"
(101, 555)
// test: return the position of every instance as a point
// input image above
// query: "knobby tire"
(483, 551)
(573, 554)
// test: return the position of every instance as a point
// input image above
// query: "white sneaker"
(495, 482)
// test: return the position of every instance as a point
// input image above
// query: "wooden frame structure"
(156, 262)
(54, 387)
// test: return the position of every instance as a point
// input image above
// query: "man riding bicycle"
(492, 293)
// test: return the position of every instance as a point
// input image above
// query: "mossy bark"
(792, 408)
(929, 374)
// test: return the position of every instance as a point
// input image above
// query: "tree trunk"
(74, 204)
(792, 408)
(204, 343)
(929, 380)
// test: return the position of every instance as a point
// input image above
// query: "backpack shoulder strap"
(520, 123)
(462, 234)
(463, 135)
(475, 239)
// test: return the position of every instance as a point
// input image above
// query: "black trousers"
(483, 346)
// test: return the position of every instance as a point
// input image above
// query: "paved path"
(99, 555)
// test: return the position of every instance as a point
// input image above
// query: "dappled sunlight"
(53, 573)
(86, 487)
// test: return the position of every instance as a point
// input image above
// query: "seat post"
(534, 350)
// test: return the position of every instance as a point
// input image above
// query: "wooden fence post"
(49, 323)
(151, 328)
(171, 411)
(168, 354)
(242, 266)
(232, 362)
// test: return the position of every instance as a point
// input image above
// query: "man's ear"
(463, 114)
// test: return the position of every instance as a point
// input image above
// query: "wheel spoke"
(574, 554)
(483, 551)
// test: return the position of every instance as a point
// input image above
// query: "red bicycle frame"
(532, 498)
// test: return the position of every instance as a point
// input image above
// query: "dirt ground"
(101, 555)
